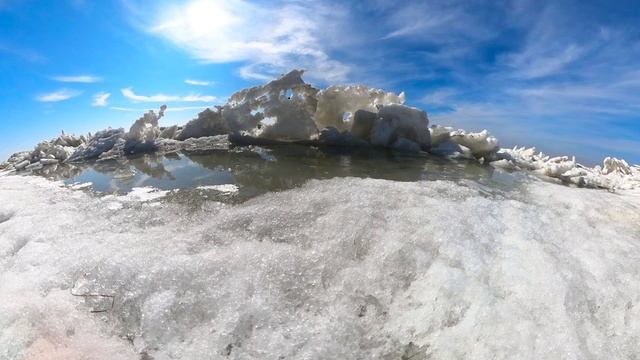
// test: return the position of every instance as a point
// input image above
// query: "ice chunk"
(613, 165)
(143, 132)
(101, 142)
(406, 145)
(557, 166)
(34, 166)
(338, 104)
(170, 132)
(69, 140)
(288, 102)
(332, 136)
(141, 194)
(440, 134)
(21, 165)
(80, 186)
(208, 123)
(52, 150)
(49, 161)
(397, 125)
(219, 142)
(363, 122)
(482, 144)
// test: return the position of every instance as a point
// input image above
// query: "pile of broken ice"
(290, 110)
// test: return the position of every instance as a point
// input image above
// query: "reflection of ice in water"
(341, 268)
(256, 170)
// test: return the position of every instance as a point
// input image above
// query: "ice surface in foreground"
(338, 269)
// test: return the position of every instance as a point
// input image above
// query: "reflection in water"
(256, 170)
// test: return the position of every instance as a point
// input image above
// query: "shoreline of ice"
(288, 110)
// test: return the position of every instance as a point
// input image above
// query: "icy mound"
(289, 110)
(613, 174)
(344, 268)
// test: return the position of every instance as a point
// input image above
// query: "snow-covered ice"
(343, 268)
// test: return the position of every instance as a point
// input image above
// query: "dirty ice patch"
(223, 188)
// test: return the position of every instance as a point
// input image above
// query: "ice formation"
(481, 145)
(208, 123)
(338, 104)
(401, 127)
(343, 268)
(144, 132)
(613, 174)
(289, 110)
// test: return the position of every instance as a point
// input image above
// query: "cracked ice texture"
(343, 268)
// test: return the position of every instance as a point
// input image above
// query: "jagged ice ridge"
(290, 110)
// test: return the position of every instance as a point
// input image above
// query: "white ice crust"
(222, 188)
(341, 269)
(288, 109)
(613, 174)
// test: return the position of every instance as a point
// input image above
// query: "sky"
(563, 76)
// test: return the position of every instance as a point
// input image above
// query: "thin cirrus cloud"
(129, 94)
(222, 31)
(83, 79)
(526, 71)
(198, 82)
(169, 109)
(101, 99)
(29, 55)
(58, 95)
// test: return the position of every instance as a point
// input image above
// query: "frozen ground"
(341, 268)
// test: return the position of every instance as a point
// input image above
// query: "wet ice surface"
(241, 173)
(406, 264)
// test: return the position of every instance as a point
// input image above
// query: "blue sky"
(563, 76)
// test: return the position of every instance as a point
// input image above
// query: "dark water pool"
(256, 170)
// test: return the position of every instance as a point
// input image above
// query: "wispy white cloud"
(169, 109)
(438, 22)
(129, 94)
(101, 99)
(439, 97)
(59, 95)
(549, 47)
(26, 54)
(269, 40)
(533, 63)
(85, 79)
(198, 82)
